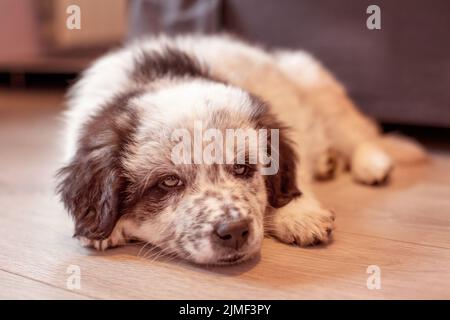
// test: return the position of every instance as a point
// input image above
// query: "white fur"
(193, 99)
(370, 164)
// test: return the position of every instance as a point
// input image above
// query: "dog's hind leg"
(351, 134)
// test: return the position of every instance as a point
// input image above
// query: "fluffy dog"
(120, 182)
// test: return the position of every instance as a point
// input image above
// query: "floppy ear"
(281, 186)
(89, 188)
(91, 185)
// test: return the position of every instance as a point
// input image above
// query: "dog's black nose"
(232, 234)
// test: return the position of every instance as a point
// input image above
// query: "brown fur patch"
(169, 62)
(281, 187)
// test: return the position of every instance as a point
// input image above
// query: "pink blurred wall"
(18, 29)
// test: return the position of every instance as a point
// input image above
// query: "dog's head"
(127, 169)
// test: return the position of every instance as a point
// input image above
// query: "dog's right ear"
(281, 186)
(91, 185)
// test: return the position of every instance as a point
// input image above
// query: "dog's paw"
(326, 165)
(370, 164)
(100, 245)
(303, 226)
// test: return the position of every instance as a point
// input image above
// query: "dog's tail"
(403, 150)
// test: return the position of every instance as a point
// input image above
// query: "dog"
(119, 181)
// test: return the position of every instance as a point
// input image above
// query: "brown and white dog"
(119, 181)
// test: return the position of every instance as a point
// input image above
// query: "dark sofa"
(399, 74)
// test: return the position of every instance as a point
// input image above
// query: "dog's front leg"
(303, 222)
(115, 239)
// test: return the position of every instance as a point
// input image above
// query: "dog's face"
(128, 171)
(206, 213)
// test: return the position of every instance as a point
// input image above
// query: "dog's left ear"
(89, 189)
(281, 186)
(91, 185)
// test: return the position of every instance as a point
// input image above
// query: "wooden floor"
(403, 228)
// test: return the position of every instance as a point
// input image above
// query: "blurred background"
(399, 74)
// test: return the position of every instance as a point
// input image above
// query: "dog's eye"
(171, 182)
(240, 169)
